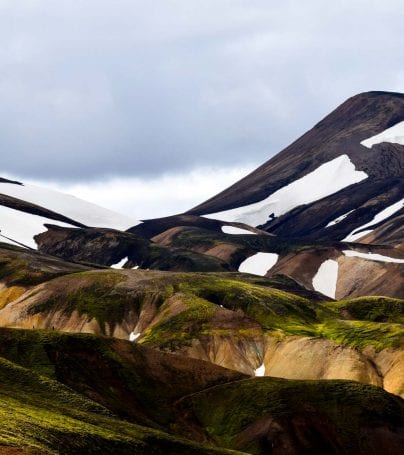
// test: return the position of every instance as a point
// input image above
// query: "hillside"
(268, 319)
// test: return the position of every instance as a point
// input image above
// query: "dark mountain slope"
(340, 133)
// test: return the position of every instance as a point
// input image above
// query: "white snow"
(327, 179)
(339, 219)
(381, 216)
(260, 371)
(325, 280)
(353, 237)
(259, 263)
(22, 227)
(394, 135)
(372, 256)
(69, 206)
(236, 230)
(120, 264)
(134, 336)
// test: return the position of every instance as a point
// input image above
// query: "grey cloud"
(127, 87)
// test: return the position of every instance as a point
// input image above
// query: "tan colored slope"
(237, 343)
(302, 266)
(138, 302)
(356, 276)
(302, 358)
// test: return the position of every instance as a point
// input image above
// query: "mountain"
(122, 394)
(69, 393)
(342, 181)
(25, 209)
(152, 337)
(334, 180)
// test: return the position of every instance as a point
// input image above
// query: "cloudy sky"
(152, 106)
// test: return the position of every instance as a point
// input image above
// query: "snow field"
(327, 179)
(372, 256)
(339, 219)
(236, 230)
(325, 280)
(259, 263)
(74, 208)
(260, 371)
(381, 216)
(394, 135)
(120, 264)
(22, 227)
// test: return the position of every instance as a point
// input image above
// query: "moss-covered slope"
(134, 382)
(39, 413)
(76, 393)
(266, 415)
(234, 320)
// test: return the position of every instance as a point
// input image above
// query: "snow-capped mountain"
(25, 209)
(338, 181)
(327, 211)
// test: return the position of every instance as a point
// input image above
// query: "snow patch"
(259, 263)
(372, 256)
(236, 230)
(357, 236)
(394, 135)
(325, 280)
(22, 226)
(327, 179)
(260, 371)
(120, 264)
(381, 216)
(339, 219)
(74, 208)
(134, 336)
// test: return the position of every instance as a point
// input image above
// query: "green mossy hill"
(96, 295)
(109, 295)
(21, 267)
(132, 381)
(42, 414)
(190, 305)
(204, 299)
(374, 309)
(268, 415)
(359, 334)
(90, 384)
(270, 307)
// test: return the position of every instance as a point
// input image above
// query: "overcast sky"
(157, 92)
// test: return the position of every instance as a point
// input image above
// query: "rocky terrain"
(155, 336)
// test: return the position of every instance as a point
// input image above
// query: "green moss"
(179, 329)
(270, 307)
(228, 410)
(98, 297)
(40, 413)
(18, 272)
(359, 334)
(374, 309)
(108, 297)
